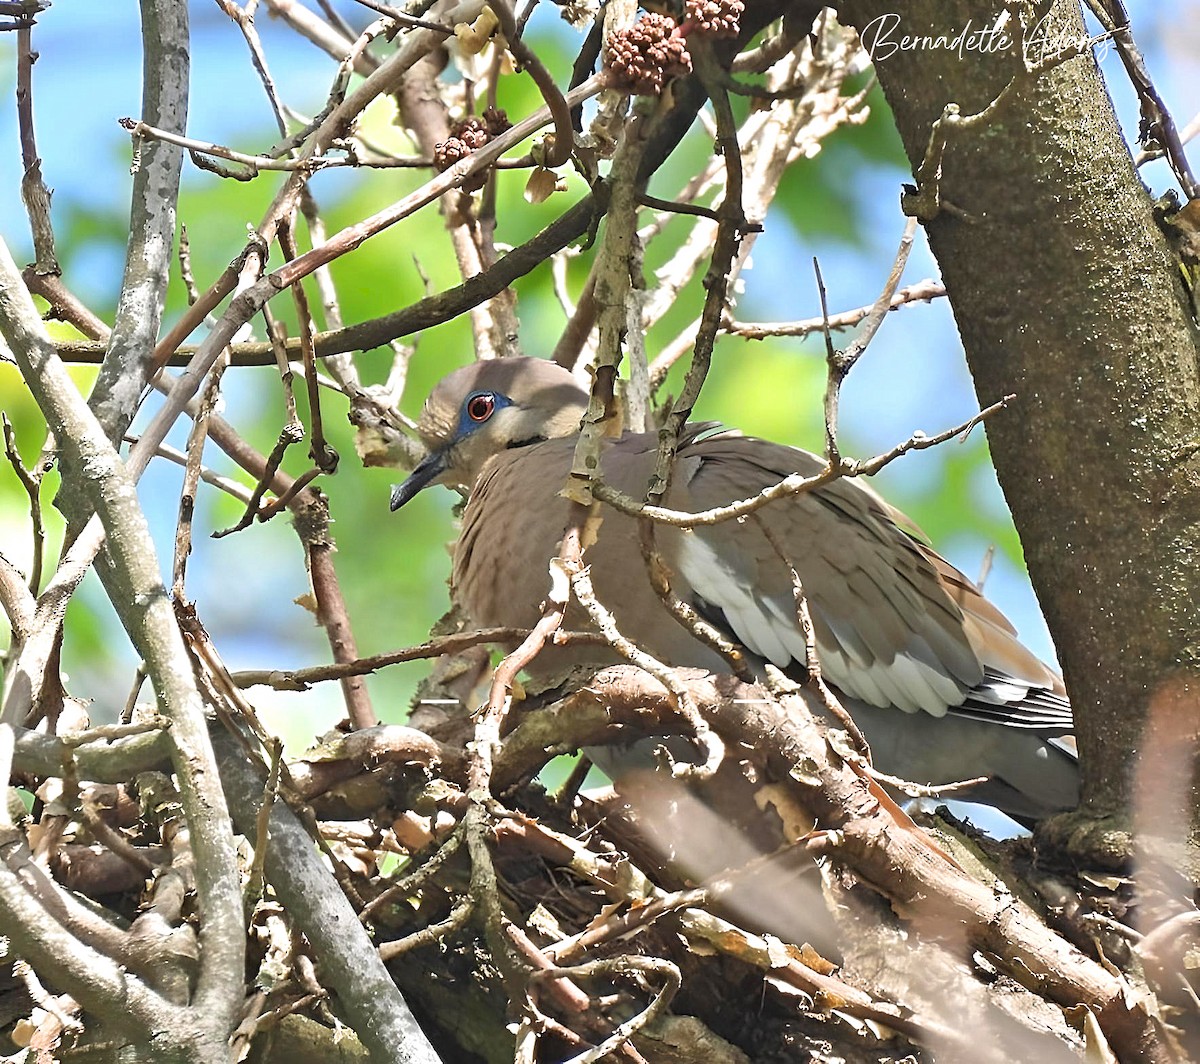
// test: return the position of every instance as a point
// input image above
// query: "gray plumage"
(932, 672)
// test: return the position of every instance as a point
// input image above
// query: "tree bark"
(1066, 293)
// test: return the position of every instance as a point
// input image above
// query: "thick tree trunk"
(1066, 294)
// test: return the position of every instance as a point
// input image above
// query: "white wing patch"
(911, 681)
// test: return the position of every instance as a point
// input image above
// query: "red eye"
(480, 407)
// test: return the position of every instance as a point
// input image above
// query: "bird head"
(485, 408)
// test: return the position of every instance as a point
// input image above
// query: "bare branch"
(921, 291)
(165, 73)
(33, 189)
(140, 600)
(32, 484)
(350, 963)
(840, 363)
(1160, 125)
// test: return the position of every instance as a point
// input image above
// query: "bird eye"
(481, 407)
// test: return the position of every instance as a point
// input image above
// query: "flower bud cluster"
(643, 57)
(467, 136)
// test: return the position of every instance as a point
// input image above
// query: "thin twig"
(311, 519)
(253, 506)
(245, 22)
(560, 145)
(921, 291)
(301, 679)
(257, 878)
(710, 744)
(840, 363)
(139, 680)
(33, 189)
(622, 923)
(66, 306)
(292, 429)
(463, 910)
(730, 230)
(1159, 123)
(672, 207)
(341, 368)
(191, 476)
(627, 965)
(255, 164)
(231, 487)
(791, 485)
(32, 484)
(405, 19)
(319, 450)
(413, 880)
(918, 441)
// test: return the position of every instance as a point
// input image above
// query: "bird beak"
(427, 470)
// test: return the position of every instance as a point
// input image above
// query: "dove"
(931, 671)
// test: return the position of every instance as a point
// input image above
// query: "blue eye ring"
(480, 406)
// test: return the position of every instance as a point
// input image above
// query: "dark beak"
(427, 470)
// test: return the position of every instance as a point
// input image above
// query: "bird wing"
(895, 624)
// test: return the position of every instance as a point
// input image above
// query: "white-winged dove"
(932, 672)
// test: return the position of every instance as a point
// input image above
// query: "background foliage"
(251, 589)
(841, 207)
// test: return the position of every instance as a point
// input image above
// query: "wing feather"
(895, 623)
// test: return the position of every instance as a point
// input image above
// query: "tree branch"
(142, 604)
(166, 60)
